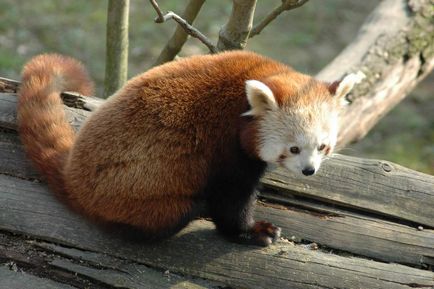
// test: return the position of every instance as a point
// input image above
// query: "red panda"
(191, 134)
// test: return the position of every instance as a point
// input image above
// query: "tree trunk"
(235, 32)
(117, 46)
(395, 49)
(172, 48)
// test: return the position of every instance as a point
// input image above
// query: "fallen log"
(28, 208)
(341, 229)
(356, 226)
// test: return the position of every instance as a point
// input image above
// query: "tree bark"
(395, 50)
(117, 46)
(286, 5)
(184, 24)
(174, 45)
(235, 33)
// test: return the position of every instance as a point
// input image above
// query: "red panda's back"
(160, 134)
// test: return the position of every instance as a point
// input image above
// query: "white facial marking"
(304, 127)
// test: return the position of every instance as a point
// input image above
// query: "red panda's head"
(296, 118)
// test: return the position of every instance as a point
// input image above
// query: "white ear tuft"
(346, 85)
(260, 97)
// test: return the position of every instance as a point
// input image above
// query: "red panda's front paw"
(262, 234)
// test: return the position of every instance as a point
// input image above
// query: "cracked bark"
(395, 49)
(235, 33)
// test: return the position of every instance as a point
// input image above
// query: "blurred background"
(306, 38)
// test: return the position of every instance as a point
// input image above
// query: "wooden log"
(409, 246)
(338, 229)
(81, 269)
(376, 186)
(8, 116)
(29, 266)
(37, 213)
(116, 272)
(71, 99)
(75, 116)
(19, 280)
(8, 85)
(13, 160)
(355, 233)
(135, 277)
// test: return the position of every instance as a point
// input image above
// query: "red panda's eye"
(321, 147)
(294, 150)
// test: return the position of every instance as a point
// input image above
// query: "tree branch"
(178, 39)
(189, 29)
(285, 6)
(395, 50)
(117, 46)
(234, 34)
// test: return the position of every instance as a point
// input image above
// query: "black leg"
(231, 204)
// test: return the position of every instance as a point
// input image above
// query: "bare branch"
(178, 39)
(235, 33)
(117, 46)
(160, 17)
(189, 29)
(285, 6)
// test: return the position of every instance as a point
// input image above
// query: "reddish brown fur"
(248, 136)
(46, 135)
(143, 156)
(293, 88)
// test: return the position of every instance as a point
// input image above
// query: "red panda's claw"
(264, 233)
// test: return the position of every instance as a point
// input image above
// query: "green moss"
(421, 36)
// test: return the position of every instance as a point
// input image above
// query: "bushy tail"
(45, 133)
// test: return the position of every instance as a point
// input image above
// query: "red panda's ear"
(333, 86)
(260, 97)
(340, 89)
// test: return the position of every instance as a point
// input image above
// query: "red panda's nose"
(308, 171)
